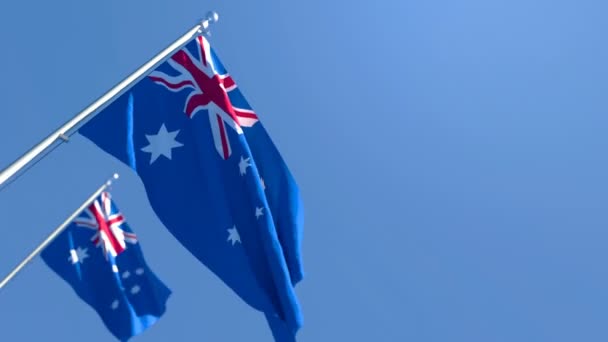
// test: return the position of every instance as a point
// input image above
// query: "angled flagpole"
(63, 132)
(56, 232)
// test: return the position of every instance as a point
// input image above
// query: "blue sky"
(451, 157)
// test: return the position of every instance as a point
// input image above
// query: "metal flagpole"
(56, 232)
(63, 132)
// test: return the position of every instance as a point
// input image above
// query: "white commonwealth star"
(161, 143)
(259, 212)
(135, 289)
(78, 255)
(243, 165)
(233, 235)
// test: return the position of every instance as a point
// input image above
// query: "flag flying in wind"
(213, 176)
(99, 256)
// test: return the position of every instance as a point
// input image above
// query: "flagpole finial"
(210, 18)
(109, 182)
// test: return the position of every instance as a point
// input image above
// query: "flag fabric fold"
(99, 256)
(213, 176)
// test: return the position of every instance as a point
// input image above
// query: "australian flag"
(99, 256)
(213, 176)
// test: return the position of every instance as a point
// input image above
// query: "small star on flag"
(259, 212)
(243, 165)
(233, 235)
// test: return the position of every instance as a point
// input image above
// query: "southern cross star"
(259, 212)
(233, 235)
(243, 165)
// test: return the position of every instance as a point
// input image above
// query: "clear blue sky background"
(451, 154)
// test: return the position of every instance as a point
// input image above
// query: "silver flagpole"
(63, 132)
(56, 232)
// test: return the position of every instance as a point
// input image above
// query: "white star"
(78, 255)
(126, 274)
(161, 143)
(263, 184)
(139, 271)
(114, 305)
(233, 235)
(135, 289)
(258, 212)
(243, 165)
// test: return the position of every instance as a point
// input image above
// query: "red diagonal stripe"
(171, 85)
(245, 114)
(196, 101)
(228, 82)
(117, 219)
(223, 136)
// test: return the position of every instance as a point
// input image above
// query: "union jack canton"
(106, 220)
(210, 86)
